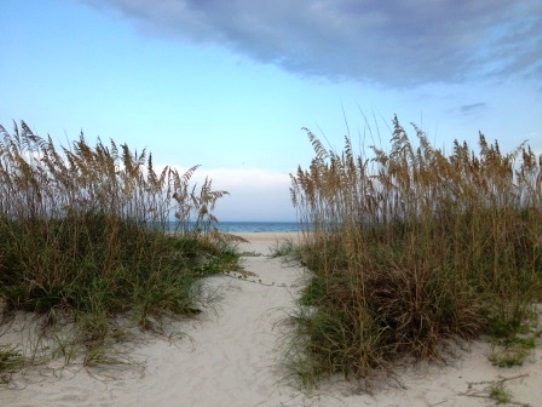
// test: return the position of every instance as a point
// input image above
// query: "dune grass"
(85, 237)
(413, 247)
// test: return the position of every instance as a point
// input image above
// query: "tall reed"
(85, 236)
(413, 247)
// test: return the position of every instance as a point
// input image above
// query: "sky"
(230, 85)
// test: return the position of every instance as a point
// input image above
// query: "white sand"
(229, 357)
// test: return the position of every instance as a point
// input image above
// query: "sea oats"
(412, 247)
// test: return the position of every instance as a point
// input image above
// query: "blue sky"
(230, 84)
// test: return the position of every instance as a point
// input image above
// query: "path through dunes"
(227, 357)
(230, 356)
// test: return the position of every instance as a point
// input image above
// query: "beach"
(231, 355)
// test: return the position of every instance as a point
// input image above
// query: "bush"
(413, 247)
(85, 235)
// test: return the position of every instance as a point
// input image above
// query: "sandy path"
(229, 358)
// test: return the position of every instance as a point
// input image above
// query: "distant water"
(255, 227)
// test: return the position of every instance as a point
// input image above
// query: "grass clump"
(85, 236)
(413, 247)
(500, 394)
(287, 249)
(10, 360)
(514, 347)
(509, 357)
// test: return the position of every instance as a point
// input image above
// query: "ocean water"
(254, 227)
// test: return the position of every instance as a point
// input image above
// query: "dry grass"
(84, 235)
(413, 247)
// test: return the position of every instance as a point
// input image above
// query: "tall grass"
(84, 235)
(413, 247)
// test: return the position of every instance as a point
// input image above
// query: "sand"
(230, 356)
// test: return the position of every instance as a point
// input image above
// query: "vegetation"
(85, 238)
(10, 360)
(413, 247)
(513, 350)
(500, 394)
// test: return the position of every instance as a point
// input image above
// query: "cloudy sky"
(230, 84)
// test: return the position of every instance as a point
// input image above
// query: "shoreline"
(266, 242)
(269, 236)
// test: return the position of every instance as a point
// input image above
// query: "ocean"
(255, 227)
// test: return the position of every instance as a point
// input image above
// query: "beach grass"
(85, 239)
(412, 248)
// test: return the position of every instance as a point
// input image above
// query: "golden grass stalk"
(84, 234)
(413, 247)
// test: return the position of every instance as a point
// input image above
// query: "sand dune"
(230, 357)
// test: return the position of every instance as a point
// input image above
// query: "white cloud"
(254, 194)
